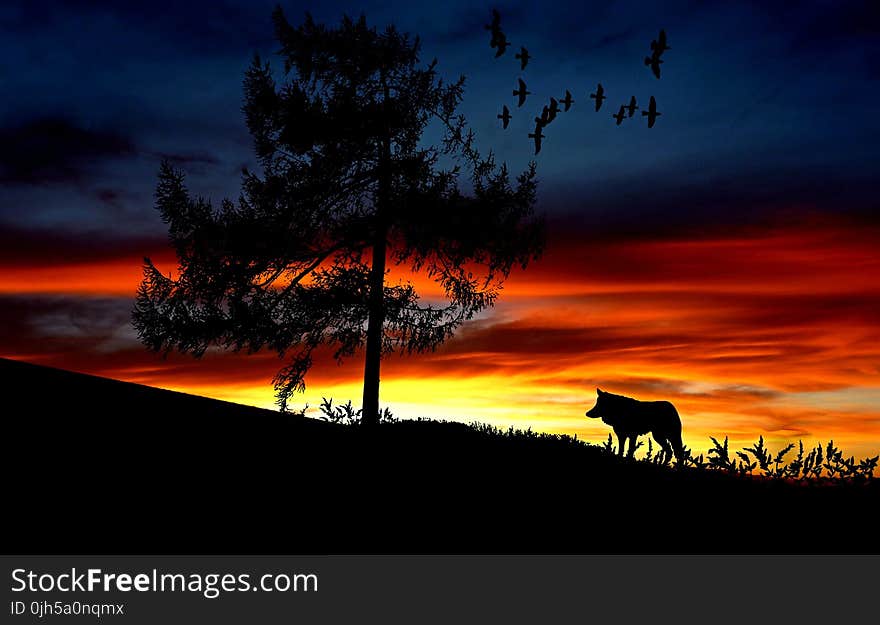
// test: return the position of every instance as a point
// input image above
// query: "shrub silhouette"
(347, 414)
(829, 463)
(823, 463)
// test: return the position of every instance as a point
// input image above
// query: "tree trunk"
(370, 415)
(376, 320)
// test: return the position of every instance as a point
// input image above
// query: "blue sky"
(765, 106)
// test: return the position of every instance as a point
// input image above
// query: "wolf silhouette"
(630, 417)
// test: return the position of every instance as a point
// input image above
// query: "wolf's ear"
(599, 391)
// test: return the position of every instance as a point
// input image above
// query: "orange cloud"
(750, 333)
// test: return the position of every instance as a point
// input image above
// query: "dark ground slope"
(99, 466)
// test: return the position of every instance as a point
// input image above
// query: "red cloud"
(750, 332)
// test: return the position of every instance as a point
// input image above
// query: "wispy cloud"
(55, 149)
(748, 332)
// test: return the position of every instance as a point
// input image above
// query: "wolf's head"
(610, 407)
(596, 411)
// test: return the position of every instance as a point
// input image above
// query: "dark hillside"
(100, 466)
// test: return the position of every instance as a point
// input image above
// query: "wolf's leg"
(660, 452)
(667, 452)
(677, 445)
(668, 449)
(632, 445)
(621, 442)
(665, 449)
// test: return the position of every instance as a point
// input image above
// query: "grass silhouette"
(825, 462)
(113, 467)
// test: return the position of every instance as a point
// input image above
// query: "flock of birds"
(500, 43)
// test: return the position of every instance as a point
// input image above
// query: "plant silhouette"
(347, 189)
(828, 462)
(530, 487)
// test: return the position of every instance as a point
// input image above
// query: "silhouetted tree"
(348, 187)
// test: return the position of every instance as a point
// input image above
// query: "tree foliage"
(348, 183)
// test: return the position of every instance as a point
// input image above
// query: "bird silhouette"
(554, 109)
(659, 45)
(567, 101)
(598, 96)
(495, 28)
(654, 62)
(521, 93)
(632, 106)
(496, 21)
(523, 57)
(620, 114)
(501, 45)
(537, 136)
(652, 113)
(545, 116)
(505, 117)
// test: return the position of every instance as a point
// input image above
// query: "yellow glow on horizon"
(771, 332)
(524, 404)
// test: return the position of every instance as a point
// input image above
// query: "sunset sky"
(726, 260)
